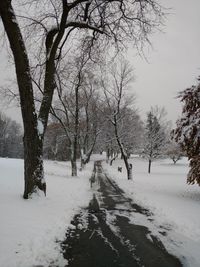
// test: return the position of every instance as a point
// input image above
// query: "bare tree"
(106, 140)
(121, 77)
(55, 21)
(174, 151)
(76, 109)
(90, 126)
(67, 109)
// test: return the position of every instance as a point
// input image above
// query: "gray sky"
(173, 63)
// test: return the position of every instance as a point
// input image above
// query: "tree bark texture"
(33, 163)
(34, 179)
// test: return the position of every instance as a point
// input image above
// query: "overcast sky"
(173, 63)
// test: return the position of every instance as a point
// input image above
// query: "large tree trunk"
(34, 180)
(33, 166)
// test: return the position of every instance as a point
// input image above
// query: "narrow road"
(103, 235)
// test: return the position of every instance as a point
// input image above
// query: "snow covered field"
(174, 204)
(29, 228)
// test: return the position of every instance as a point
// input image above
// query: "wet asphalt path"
(103, 235)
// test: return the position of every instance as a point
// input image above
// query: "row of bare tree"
(43, 34)
(95, 110)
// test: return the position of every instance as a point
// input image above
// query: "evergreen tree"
(187, 132)
(154, 139)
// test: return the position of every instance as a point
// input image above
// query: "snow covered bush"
(187, 132)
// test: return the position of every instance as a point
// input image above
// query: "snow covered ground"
(29, 228)
(174, 204)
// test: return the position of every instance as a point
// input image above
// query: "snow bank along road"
(103, 236)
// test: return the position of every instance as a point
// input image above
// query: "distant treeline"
(11, 138)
